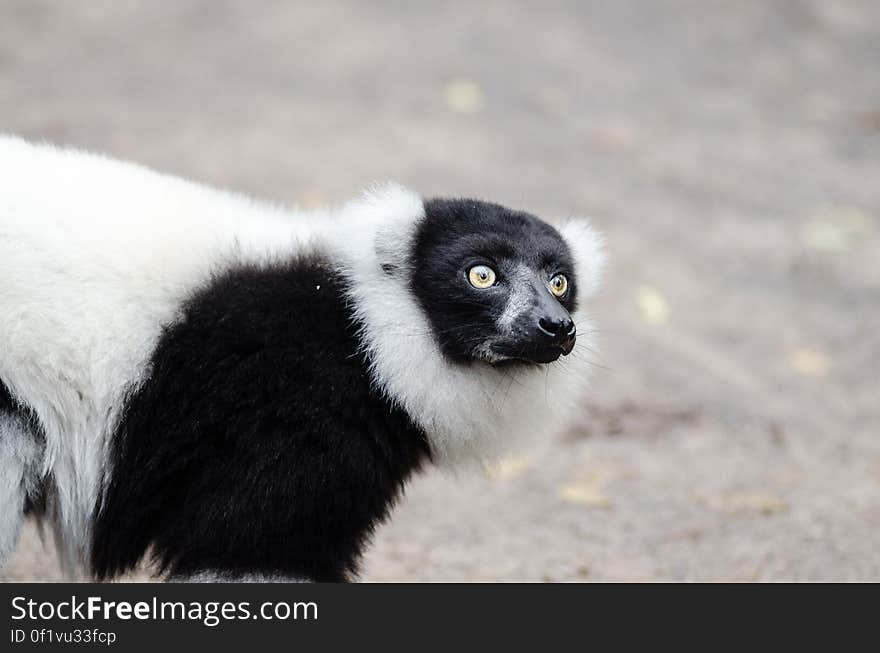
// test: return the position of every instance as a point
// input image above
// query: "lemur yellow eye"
(481, 276)
(559, 285)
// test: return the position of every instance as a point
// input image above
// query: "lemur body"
(242, 391)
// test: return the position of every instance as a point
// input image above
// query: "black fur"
(10, 406)
(7, 403)
(35, 500)
(458, 234)
(257, 445)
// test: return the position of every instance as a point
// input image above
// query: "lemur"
(238, 391)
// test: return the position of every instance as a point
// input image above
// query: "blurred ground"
(731, 153)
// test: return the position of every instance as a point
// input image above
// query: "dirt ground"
(729, 151)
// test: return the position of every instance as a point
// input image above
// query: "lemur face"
(497, 285)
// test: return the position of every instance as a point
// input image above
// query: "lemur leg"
(19, 472)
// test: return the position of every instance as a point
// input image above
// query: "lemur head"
(497, 285)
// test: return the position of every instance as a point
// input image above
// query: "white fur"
(19, 459)
(96, 257)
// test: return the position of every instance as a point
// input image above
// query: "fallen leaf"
(759, 502)
(589, 489)
(508, 468)
(837, 228)
(586, 494)
(653, 306)
(463, 96)
(810, 362)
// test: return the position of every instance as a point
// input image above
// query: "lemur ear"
(377, 230)
(393, 246)
(587, 249)
(399, 210)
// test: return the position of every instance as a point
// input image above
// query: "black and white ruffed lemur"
(242, 391)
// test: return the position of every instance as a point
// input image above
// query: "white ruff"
(470, 412)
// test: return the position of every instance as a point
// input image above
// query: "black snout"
(542, 334)
(550, 334)
(556, 327)
(556, 332)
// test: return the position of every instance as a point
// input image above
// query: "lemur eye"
(481, 276)
(559, 285)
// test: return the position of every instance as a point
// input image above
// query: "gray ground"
(731, 153)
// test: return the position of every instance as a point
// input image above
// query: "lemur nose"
(558, 328)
